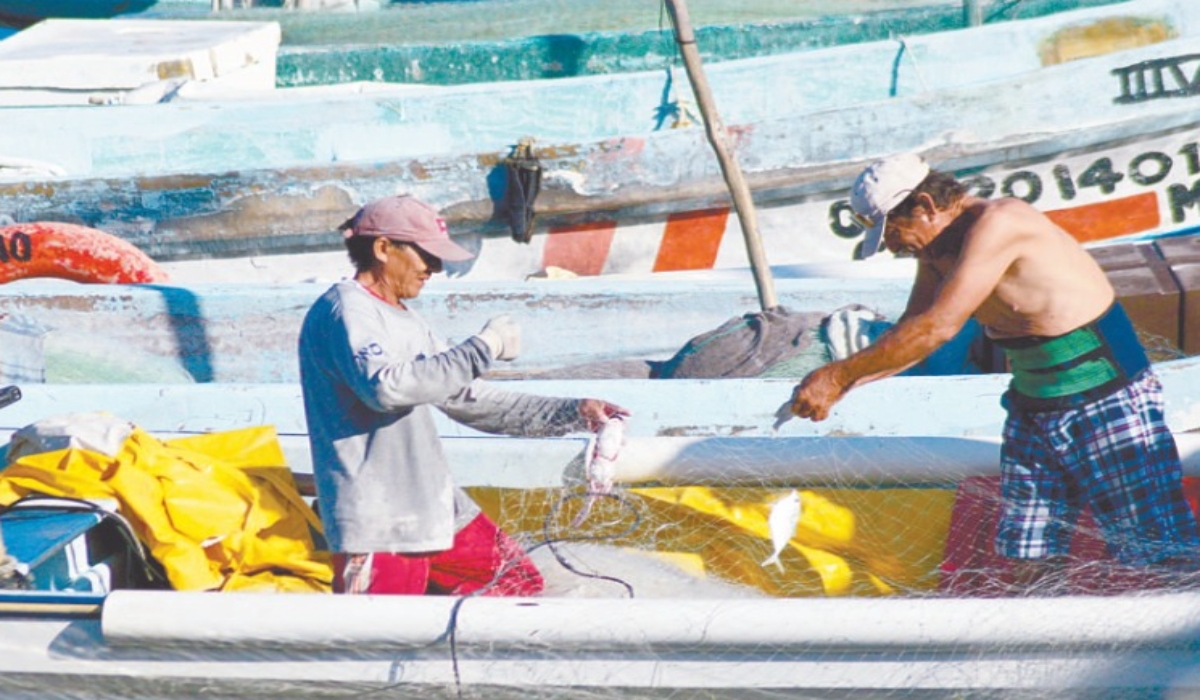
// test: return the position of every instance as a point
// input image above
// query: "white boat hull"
(242, 645)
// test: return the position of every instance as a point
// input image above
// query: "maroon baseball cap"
(408, 219)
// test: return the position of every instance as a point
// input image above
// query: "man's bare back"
(1049, 284)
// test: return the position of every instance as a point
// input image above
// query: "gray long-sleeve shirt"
(369, 373)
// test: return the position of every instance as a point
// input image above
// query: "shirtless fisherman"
(1085, 411)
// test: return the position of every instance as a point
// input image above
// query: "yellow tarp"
(849, 542)
(219, 511)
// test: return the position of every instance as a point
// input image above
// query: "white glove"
(503, 337)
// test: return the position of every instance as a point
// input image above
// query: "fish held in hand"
(602, 467)
(782, 415)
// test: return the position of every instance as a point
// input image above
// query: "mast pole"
(719, 138)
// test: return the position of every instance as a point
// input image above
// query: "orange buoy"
(73, 252)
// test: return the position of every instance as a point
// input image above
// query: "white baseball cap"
(884, 184)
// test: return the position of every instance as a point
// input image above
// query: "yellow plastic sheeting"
(849, 542)
(219, 511)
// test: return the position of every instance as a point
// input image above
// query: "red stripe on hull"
(581, 249)
(691, 240)
(1111, 219)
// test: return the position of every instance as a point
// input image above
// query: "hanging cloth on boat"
(524, 182)
(218, 511)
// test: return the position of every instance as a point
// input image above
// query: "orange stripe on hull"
(581, 249)
(1104, 220)
(691, 240)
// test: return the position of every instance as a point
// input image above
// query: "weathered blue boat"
(446, 43)
(441, 44)
(218, 179)
(384, 48)
(64, 332)
(957, 406)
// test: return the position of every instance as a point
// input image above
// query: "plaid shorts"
(1115, 455)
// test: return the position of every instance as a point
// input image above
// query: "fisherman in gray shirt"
(370, 370)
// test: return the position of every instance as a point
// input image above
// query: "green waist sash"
(1047, 371)
(1086, 363)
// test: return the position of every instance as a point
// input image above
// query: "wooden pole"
(719, 138)
(973, 12)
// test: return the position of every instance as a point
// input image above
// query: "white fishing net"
(673, 566)
(728, 514)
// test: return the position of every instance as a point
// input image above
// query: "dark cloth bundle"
(744, 346)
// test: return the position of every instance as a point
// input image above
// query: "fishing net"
(921, 535)
(906, 521)
(914, 522)
(705, 519)
(904, 536)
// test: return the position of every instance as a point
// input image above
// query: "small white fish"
(782, 521)
(602, 467)
(782, 415)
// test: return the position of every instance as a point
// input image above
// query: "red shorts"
(480, 550)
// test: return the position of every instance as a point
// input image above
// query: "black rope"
(551, 543)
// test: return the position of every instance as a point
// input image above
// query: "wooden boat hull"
(963, 406)
(248, 332)
(140, 643)
(633, 199)
(208, 128)
(613, 212)
(58, 332)
(137, 643)
(648, 648)
(445, 44)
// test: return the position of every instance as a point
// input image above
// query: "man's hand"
(817, 393)
(503, 337)
(597, 412)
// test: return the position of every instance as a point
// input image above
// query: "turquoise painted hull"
(305, 60)
(214, 130)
